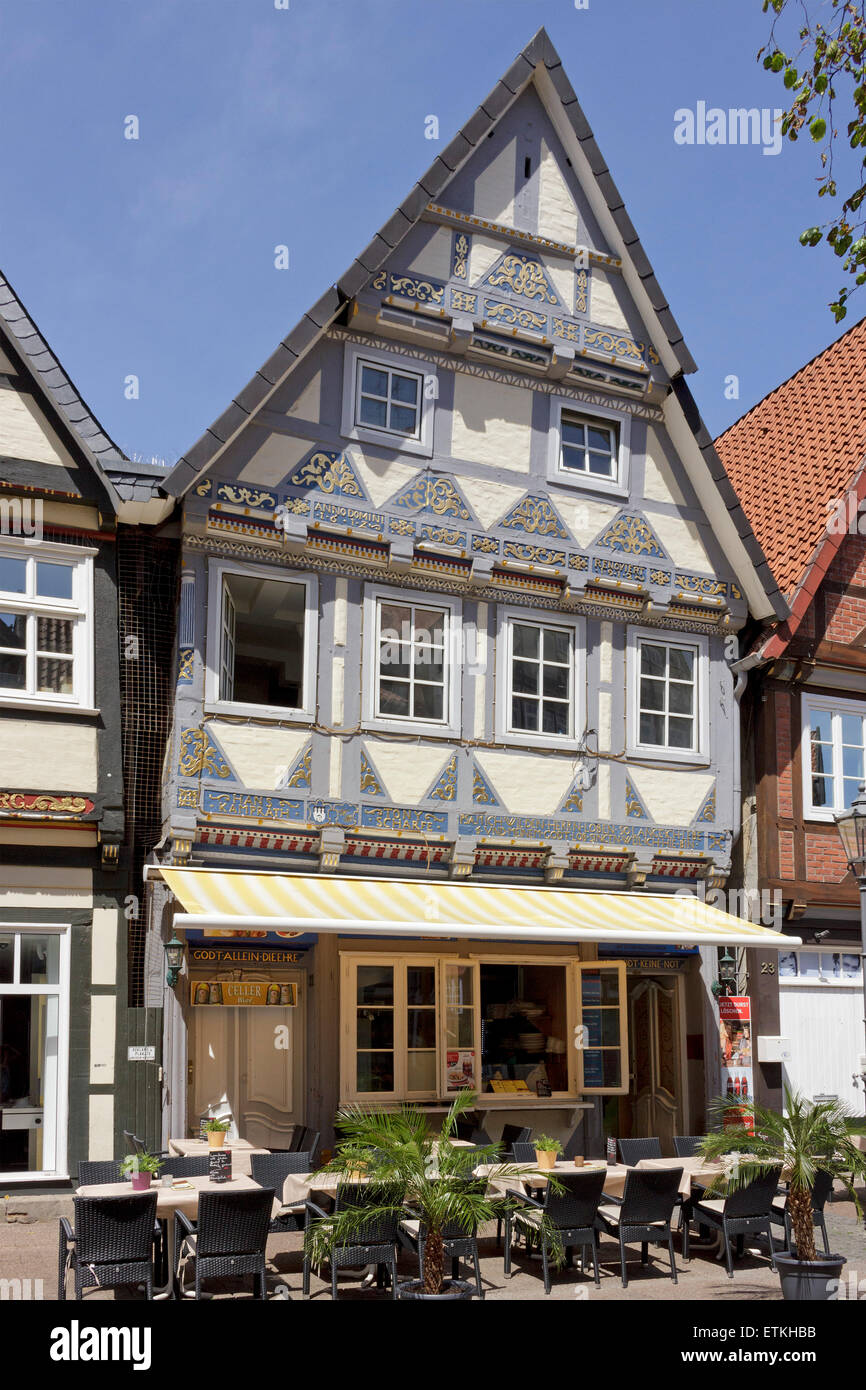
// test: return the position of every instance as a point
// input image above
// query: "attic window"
(589, 446)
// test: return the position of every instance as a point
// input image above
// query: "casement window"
(667, 695)
(262, 641)
(589, 448)
(834, 743)
(388, 399)
(46, 625)
(412, 677)
(427, 1027)
(34, 1045)
(539, 677)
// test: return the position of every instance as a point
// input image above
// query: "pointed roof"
(61, 399)
(538, 61)
(799, 449)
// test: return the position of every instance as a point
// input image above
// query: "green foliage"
(544, 1144)
(140, 1163)
(217, 1126)
(414, 1173)
(808, 1137)
(832, 74)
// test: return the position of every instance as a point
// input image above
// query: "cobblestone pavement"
(30, 1252)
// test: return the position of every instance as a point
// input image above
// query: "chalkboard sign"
(202, 1132)
(220, 1165)
(542, 1088)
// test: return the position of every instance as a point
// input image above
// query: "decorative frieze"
(44, 804)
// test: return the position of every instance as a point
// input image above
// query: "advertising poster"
(461, 1069)
(735, 1043)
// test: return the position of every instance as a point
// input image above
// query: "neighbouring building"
(62, 862)
(455, 714)
(797, 462)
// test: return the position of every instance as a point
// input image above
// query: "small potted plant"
(547, 1150)
(808, 1137)
(216, 1132)
(141, 1168)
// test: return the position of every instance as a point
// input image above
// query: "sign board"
(243, 993)
(735, 1046)
(242, 955)
(219, 1163)
(141, 1054)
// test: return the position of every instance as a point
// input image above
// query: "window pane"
(13, 630)
(554, 718)
(13, 575)
(375, 984)
(421, 984)
(850, 966)
(556, 645)
(375, 1071)
(852, 763)
(394, 697)
(430, 621)
(373, 413)
(852, 729)
(653, 659)
(268, 656)
(524, 679)
(652, 694)
(54, 635)
(652, 728)
(7, 957)
(680, 699)
(421, 1071)
(573, 458)
(524, 1028)
(822, 728)
(598, 438)
(395, 620)
(432, 670)
(809, 965)
(850, 790)
(375, 1028)
(429, 702)
(373, 381)
(611, 1067)
(403, 419)
(525, 641)
(460, 985)
(600, 465)
(40, 959)
(404, 388)
(821, 755)
(821, 792)
(787, 965)
(13, 672)
(421, 1028)
(460, 1028)
(53, 676)
(53, 581)
(681, 664)
(524, 713)
(680, 733)
(556, 682)
(395, 659)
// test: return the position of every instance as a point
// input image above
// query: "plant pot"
(216, 1138)
(451, 1288)
(545, 1158)
(141, 1182)
(809, 1281)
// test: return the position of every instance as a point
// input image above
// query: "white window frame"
(61, 992)
(833, 706)
(508, 615)
(356, 353)
(570, 477)
(662, 637)
(374, 596)
(80, 608)
(217, 569)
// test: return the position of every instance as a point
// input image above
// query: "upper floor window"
(262, 634)
(46, 624)
(388, 399)
(667, 700)
(537, 677)
(834, 742)
(589, 448)
(411, 674)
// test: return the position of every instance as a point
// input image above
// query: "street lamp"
(173, 960)
(851, 825)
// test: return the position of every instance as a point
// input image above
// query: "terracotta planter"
(216, 1138)
(141, 1182)
(545, 1158)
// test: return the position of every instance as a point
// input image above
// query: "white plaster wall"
(604, 791)
(101, 1126)
(682, 540)
(557, 212)
(491, 423)
(58, 756)
(278, 455)
(660, 485)
(494, 188)
(603, 305)
(562, 278)
(259, 754)
(584, 519)
(409, 770)
(489, 498)
(527, 782)
(484, 254)
(435, 258)
(103, 946)
(41, 886)
(103, 1017)
(671, 798)
(381, 477)
(24, 432)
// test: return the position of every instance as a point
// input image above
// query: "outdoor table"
(241, 1150)
(696, 1170)
(171, 1200)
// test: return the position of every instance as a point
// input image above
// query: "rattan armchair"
(375, 1242)
(631, 1151)
(745, 1211)
(644, 1214)
(271, 1170)
(572, 1210)
(111, 1245)
(228, 1240)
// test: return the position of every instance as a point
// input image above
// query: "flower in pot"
(411, 1173)
(141, 1168)
(810, 1137)
(216, 1132)
(547, 1150)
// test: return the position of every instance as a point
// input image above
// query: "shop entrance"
(654, 1104)
(250, 1059)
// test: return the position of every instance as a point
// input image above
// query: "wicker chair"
(522, 1152)
(375, 1243)
(644, 1215)
(514, 1134)
(686, 1145)
(821, 1192)
(460, 1244)
(744, 1212)
(187, 1166)
(573, 1211)
(92, 1172)
(271, 1170)
(631, 1151)
(228, 1239)
(112, 1243)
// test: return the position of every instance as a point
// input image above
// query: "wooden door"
(654, 1033)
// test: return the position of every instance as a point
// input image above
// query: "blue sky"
(305, 127)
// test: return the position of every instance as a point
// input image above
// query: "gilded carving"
(329, 472)
(243, 496)
(533, 554)
(461, 257)
(20, 803)
(510, 313)
(633, 805)
(581, 290)
(482, 792)
(370, 783)
(437, 495)
(446, 786)
(631, 534)
(464, 302)
(302, 772)
(198, 754)
(523, 275)
(185, 660)
(695, 584)
(535, 515)
(410, 287)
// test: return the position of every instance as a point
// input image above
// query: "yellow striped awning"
(415, 907)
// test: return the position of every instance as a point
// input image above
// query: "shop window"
(391, 1038)
(524, 1026)
(33, 1051)
(46, 623)
(263, 642)
(602, 1035)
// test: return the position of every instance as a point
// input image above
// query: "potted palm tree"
(808, 1137)
(412, 1172)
